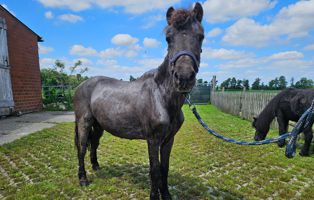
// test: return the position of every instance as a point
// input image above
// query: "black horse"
(289, 104)
(148, 108)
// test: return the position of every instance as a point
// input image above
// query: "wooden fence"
(243, 104)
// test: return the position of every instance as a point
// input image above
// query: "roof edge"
(39, 38)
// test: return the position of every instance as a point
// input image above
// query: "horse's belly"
(125, 127)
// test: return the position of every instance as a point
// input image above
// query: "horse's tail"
(76, 138)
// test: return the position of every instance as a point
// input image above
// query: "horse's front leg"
(165, 151)
(283, 127)
(155, 176)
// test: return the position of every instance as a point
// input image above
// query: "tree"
(304, 83)
(246, 84)
(200, 81)
(256, 84)
(57, 76)
(292, 82)
(239, 84)
(226, 83)
(271, 85)
(233, 83)
(282, 83)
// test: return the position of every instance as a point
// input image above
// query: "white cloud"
(75, 5)
(110, 53)
(151, 42)
(124, 40)
(309, 47)
(106, 62)
(118, 52)
(70, 18)
(242, 63)
(224, 54)
(129, 52)
(287, 55)
(151, 62)
(129, 6)
(222, 11)
(47, 62)
(293, 21)
(214, 32)
(248, 32)
(44, 49)
(85, 62)
(118, 71)
(204, 64)
(80, 50)
(49, 15)
(152, 20)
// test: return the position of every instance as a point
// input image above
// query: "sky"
(245, 39)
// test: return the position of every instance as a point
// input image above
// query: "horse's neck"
(163, 78)
(269, 112)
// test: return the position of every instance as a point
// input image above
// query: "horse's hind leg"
(96, 133)
(308, 135)
(84, 124)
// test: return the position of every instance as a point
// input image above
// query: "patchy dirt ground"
(43, 165)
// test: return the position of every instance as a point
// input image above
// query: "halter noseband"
(173, 60)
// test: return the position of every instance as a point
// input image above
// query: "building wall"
(24, 63)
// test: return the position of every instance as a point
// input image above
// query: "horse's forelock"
(180, 17)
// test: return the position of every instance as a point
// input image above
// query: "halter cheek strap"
(173, 60)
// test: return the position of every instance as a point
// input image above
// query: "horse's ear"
(198, 12)
(169, 14)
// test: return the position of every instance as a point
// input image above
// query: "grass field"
(44, 166)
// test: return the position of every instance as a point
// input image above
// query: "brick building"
(20, 83)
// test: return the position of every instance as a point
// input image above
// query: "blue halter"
(173, 60)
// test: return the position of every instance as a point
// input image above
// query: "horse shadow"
(180, 186)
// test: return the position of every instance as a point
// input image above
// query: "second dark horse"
(289, 104)
(148, 108)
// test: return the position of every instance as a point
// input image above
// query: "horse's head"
(261, 129)
(184, 35)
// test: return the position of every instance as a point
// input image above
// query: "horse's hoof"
(304, 154)
(84, 183)
(166, 197)
(96, 167)
(154, 196)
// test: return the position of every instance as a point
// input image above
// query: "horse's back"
(295, 101)
(83, 93)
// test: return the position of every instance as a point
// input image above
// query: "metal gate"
(200, 94)
(6, 96)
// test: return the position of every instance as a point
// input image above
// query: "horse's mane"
(269, 112)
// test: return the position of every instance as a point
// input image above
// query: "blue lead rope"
(305, 121)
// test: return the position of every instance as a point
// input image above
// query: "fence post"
(213, 84)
